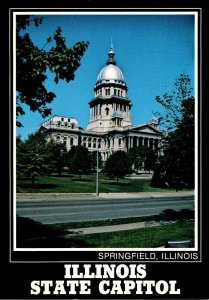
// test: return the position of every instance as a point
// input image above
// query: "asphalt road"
(61, 211)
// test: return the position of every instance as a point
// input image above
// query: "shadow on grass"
(37, 235)
(82, 179)
(37, 185)
(170, 214)
(62, 175)
(117, 183)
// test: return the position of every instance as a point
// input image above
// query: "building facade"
(109, 128)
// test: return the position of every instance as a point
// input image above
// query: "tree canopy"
(176, 166)
(118, 165)
(32, 64)
(32, 156)
(78, 160)
(172, 103)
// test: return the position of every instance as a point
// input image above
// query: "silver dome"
(110, 72)
(153, 120)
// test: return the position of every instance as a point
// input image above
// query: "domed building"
(110, 109)
(109, 128)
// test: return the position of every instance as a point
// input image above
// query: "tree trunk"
(33, 180)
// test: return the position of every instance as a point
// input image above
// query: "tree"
(172, 102)
(32, 156)
(118, 165)
(78, 160)
(178, 159)
(19, 156)
(150, 160)
(57, 154)
(176, 166)
(32, 64)
(137, 156)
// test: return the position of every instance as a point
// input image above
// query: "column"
(142, 141)
(129, 143)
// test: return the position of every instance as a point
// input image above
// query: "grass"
(87, 184)
(34, 234)
(151, 237)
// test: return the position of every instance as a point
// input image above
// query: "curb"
(88, 196)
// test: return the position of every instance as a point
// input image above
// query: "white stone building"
(109, 128)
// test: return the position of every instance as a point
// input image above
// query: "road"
(61, 211)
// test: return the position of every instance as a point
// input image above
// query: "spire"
(111, 55)
(111, 44)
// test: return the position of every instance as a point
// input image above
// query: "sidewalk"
(88, 196)
(114, 228)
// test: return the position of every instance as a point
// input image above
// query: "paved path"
(114, 228)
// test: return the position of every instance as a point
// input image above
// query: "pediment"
(146, 129)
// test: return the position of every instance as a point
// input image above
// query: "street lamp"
(97, 177)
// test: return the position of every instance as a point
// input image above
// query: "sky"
(151, 50)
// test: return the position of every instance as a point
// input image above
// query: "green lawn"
(35, 235)
(87, 184)
(151, 237)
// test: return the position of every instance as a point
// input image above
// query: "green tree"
(79, 160)
(172, 103)
(57, 154)
(176, 166)
(118, 165)
(20, 149)
(150, 160)
(137, 157)
(178, 160)
(32, 156)
(32, 64)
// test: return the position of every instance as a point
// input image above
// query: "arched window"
(94, 143)
(107, 111)
(84, 141)
(89, 143)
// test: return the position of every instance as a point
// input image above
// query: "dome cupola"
(153, 121)
(111, 74)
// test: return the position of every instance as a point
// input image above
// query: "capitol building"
(109, 128)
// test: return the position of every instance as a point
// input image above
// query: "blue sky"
(151, 50)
